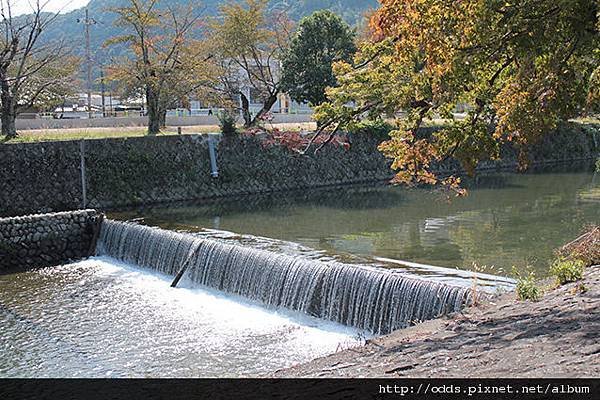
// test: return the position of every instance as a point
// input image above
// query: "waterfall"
(372, 299)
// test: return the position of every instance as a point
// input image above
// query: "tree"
(321, 39)
(162, 62)
(247, 43)
(32, 73)
(520, 68)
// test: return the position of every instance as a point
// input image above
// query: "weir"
(376, 300)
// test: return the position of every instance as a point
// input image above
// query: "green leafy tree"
(247, 41)
(163, 62)
(320, 40)
(519, 69)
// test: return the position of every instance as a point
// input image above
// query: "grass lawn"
(49, 135)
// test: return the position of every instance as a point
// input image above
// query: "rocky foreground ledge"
(558, 336)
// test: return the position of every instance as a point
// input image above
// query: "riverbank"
(138, 171)
(555, 337)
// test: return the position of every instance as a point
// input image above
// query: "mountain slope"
(66, 26)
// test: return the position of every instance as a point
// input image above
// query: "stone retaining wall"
(109, 173)
(46, 239)
(45, 177)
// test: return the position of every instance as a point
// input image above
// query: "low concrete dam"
(371, 299)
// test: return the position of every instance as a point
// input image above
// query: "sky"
(24, 6)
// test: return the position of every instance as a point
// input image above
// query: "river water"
(103, 318)
(506, 220)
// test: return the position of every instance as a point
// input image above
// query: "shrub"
(527, 288)
(227, 123)
(567, 271)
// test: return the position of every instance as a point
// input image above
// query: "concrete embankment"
(111, 173)
(555, 337)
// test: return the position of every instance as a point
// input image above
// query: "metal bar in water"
(180, 274)
(184, 267)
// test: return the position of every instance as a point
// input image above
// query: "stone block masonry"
(47, 239)
(153, 170)
(112, 173)
(45, 177)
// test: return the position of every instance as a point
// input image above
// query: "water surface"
(506, 220)
(101, 318)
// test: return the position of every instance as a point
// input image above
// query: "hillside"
(67, 27)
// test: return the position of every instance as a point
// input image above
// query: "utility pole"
(103, 91)
(88, 54)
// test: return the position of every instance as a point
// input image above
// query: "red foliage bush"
(295, 140)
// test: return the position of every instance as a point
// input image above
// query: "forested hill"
(67, 27)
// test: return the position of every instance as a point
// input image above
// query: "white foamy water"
(373, 299)
(103, 318)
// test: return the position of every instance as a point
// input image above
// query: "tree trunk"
(246, 111)
(267, 105)
(9, 111)
(163, 117)
(154, 115)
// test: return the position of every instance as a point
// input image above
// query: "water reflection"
(507, 219)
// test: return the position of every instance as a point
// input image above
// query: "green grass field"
(28, 136)
(49, 135)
